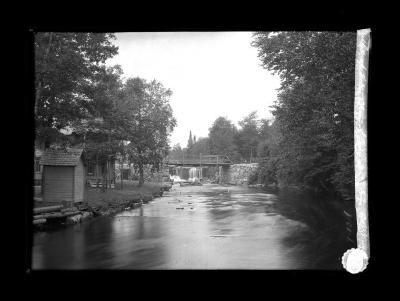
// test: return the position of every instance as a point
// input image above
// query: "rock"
(66, 214)
(83, 207)
(147, 198)
(73, 219)
(86, 215)
(136, 205)
(39, 221)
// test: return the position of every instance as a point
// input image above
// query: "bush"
(253, 178)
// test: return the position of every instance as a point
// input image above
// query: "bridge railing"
(204, 159)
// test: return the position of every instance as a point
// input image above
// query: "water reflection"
(204, 227)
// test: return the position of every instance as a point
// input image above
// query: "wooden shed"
(63, 175)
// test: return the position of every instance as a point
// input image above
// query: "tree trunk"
(141, 176)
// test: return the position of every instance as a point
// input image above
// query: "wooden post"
(120, 171)
(201, 170)
(218, 170)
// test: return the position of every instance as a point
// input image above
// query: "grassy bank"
(130, 192)
(101, 203)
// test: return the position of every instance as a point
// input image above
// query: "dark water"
(218, 228)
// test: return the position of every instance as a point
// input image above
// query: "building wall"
(79, 179)
(58, 183)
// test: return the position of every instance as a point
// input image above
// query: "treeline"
(310, 142)
(82, 102)
(245, 143)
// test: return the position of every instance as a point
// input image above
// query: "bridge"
(202, 160)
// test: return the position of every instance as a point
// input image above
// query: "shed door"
(58, 183)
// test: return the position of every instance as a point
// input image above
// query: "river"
(206, 227)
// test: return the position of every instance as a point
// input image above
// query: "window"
(90, 168)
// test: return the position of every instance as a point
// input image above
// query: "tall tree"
(247, 137)
(221, 138)
(66, 65)
(190, 141)
(202, 146)
(102, 132)
(150, 122)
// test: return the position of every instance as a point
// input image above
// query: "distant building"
(63, 175)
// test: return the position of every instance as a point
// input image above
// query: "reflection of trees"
(98, 238)
(325, 238)
(64, 249)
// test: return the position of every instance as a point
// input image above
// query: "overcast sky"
(211, 74)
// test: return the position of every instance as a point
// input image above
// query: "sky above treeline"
(211, 74)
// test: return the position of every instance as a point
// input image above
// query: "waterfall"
(195, 174)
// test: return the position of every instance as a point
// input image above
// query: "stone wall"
(238, 174)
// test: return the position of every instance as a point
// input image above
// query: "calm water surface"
(205, 227)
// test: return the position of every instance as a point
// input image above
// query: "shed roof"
(63, 157)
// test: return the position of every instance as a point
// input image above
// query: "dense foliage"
(242, 144)
(150, 120)
(80, 101)
(314, 111)
(222, 138)
(67, 66)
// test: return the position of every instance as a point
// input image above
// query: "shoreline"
(54, 215)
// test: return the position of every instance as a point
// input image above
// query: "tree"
(247, 138)
(314, 110)
(202, 146)
(66, 65)
(221, 138)
(176, 152)
(102, 132)
(265, 135)
(150, 122)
